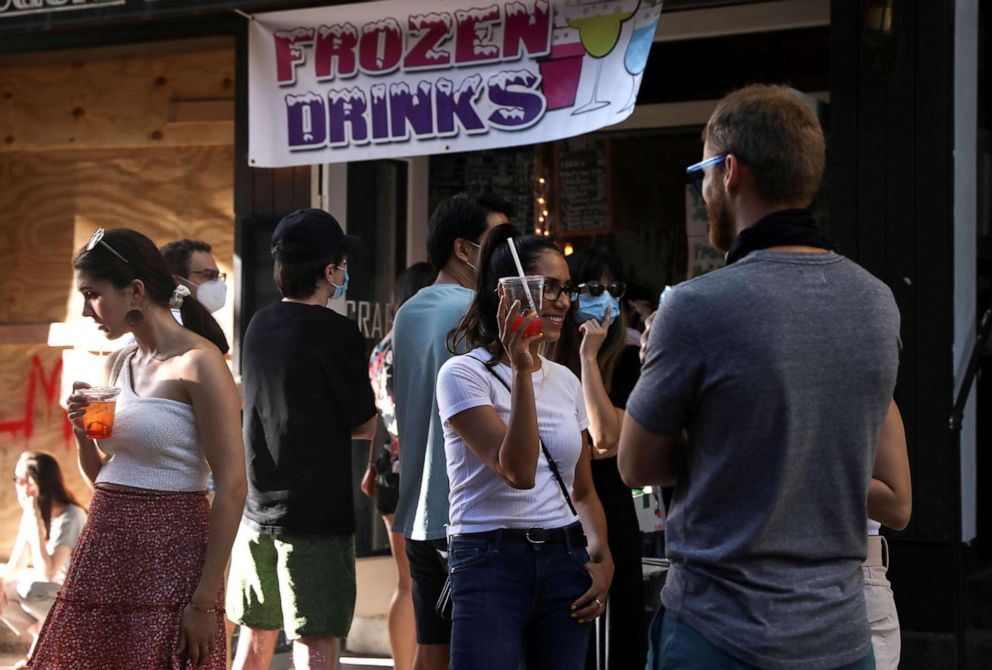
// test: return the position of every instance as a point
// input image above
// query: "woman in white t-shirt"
(525, 579)
(51, 521)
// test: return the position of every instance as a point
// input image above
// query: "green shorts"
(303, 584)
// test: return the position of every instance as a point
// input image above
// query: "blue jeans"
(512, 603)
(677, 646)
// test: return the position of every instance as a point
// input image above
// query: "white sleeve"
(462, 383)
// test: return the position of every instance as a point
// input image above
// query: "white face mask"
(212, 294)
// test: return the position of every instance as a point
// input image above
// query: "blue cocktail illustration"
(639, 48)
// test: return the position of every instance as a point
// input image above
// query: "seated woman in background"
(50, 525)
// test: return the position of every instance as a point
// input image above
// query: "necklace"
(544, 375)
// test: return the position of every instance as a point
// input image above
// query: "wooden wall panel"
(37, 193)
(166, 193)
(53, 201)
(125, 101)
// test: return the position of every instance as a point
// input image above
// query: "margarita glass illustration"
(599, 24)
(639, 47)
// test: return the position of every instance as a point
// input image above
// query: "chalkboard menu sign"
(582, 186)
(509, 173)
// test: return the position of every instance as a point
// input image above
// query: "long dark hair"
(47, 475)
(479, 326)
(590, 265)
(145, 262)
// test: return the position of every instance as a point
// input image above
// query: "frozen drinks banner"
(400, 78)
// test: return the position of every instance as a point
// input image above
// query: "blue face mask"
(595, 307)
(340, 290)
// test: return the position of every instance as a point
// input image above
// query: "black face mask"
(793, 227)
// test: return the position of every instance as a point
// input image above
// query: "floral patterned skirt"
(137, 563)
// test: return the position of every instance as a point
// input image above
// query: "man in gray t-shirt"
(762, 399)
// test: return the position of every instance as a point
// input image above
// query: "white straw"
(520, 271)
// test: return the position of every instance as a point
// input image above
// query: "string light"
(569, 249)
(542, 212)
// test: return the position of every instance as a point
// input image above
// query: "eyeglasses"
(596, 288)
(696, 173)
(21, 481)
(554, 288)
(97, 238)
(210, 275)
(343, 265)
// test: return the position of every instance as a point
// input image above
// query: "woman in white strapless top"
(145, 584)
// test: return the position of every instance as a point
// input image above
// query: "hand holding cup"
(515, 332)
(91, 409)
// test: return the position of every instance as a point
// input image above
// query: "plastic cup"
(515, 288)
(99, 417)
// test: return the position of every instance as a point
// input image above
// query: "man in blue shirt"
(456, 232)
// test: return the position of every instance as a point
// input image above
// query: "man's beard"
(721, 228)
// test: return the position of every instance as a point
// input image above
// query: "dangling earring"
(134, 317)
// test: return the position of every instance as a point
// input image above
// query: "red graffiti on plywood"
(50, 384)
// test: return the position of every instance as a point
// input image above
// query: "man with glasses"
(763, 394)
(193, 265)
(455, 234)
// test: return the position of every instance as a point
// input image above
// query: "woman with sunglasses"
(594, 346)
(526, 581)
(144, 588)
(51, 521)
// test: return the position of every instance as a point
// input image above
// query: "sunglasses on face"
(97, 238)
(697, 172)
(596, 288)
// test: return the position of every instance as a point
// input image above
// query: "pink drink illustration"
(560, 72)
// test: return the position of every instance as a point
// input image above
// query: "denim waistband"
(570, 536)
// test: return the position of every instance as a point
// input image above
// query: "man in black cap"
(307, 396)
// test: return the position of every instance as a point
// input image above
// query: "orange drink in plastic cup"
(99, 417)
(515, 288)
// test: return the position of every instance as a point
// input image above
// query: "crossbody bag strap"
(547, 454)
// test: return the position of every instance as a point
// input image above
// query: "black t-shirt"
(306, 386)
